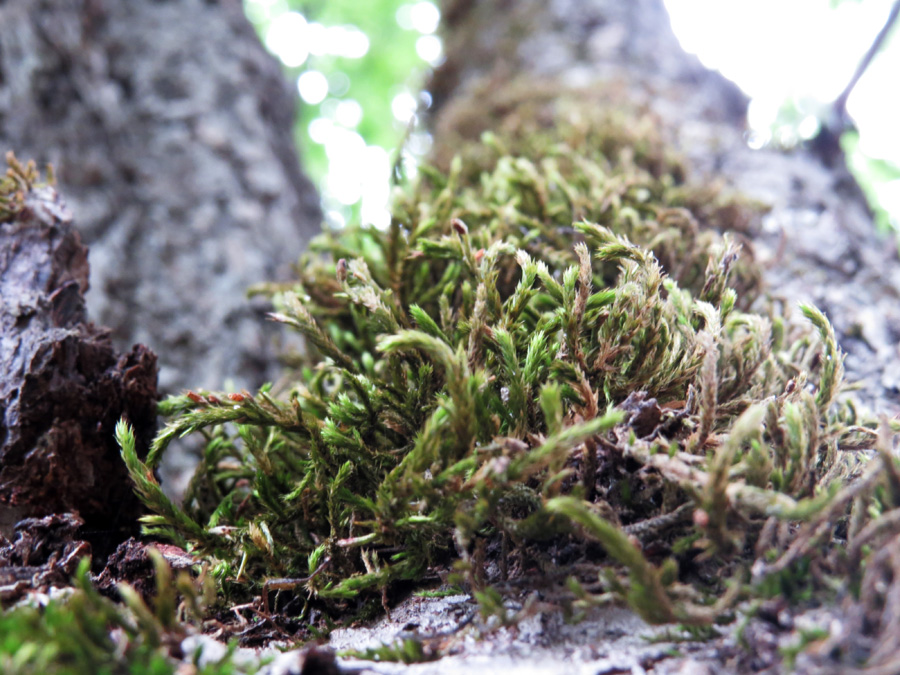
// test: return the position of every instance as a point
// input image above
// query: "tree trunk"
(170, 131)
(817, 242)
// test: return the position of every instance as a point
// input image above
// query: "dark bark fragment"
(644, 414)
(131, 563)
(318, 661)
(45, 552)
(62, 385)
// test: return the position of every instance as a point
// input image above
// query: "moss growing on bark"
(546, 368)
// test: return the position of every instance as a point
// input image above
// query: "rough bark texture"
(817, 241)
(63, 387)
(170, 129)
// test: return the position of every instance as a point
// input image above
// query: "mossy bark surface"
(563, 377)
(561, 367)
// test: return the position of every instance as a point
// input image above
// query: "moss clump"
(543, 367)
(17, 182)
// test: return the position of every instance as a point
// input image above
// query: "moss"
(406, 651)
(547, 362)
(83, 632)
(16, 183)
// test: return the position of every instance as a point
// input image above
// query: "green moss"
(16, 183)
(83, 632)
(547, 362)
(403, 651)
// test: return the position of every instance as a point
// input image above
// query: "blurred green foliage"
(389, 67)
(870, 173)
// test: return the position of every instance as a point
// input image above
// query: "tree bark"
(170, 130)
(817, 242)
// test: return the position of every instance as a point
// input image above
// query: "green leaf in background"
(359, 67)
(872, 174)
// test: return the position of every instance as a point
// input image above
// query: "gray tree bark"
(170, 130)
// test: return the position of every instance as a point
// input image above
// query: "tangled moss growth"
(545, 369)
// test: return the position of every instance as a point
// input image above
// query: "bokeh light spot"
(313, 87)
(404, 107)
(286, 38)
(430, 49)
(348, 113)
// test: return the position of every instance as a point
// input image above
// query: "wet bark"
(170, 129)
